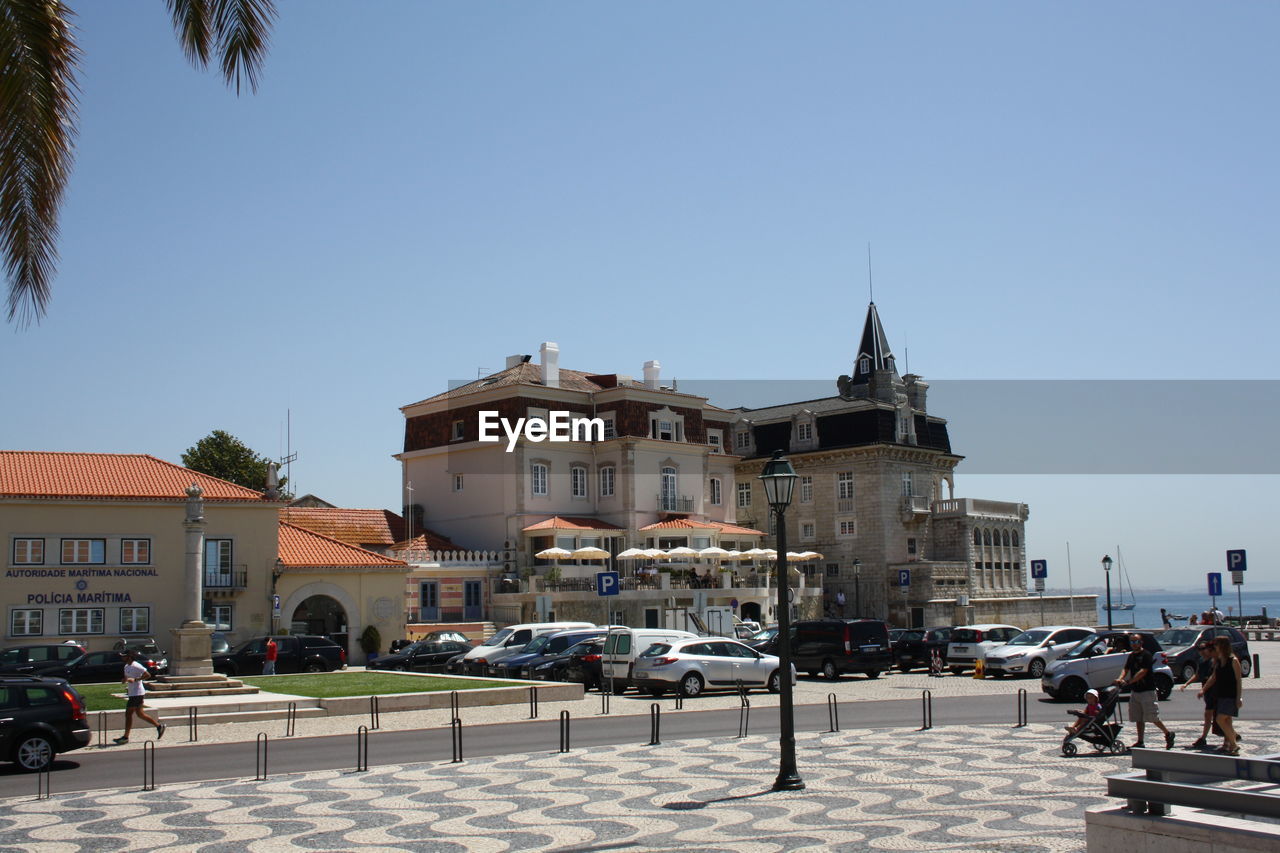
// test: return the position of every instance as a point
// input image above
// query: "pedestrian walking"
(1143, 707)
(134, 674)
(1227, 685)
(840, 602)
(269, 657)
(1164, 619)
(1204, 671)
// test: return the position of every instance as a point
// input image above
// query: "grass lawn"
(320, 685)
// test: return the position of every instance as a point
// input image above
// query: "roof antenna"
(870, 287)
(906, 350)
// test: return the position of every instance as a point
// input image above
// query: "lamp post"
(1106, 570)
(857, 588)
(779, 480)
(276, 572)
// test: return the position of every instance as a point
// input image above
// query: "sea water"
(1147, 612)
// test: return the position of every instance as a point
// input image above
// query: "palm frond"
(192, 26)
(242, 29)
(38, 63)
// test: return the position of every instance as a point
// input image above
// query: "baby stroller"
(1100, 731)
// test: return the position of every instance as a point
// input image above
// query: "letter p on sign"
(1235, 560)
(607, 583)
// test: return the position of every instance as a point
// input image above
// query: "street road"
(96, 769)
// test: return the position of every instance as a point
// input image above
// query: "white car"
(1098, 661)
(690, 666)
(1033, 650)
(970, 643)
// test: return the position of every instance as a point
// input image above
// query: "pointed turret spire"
(873, 353)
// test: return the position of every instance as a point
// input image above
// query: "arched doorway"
(320, 614)
(751, 612)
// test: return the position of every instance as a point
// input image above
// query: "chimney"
(651, 371)
(550, 364)
(513, 360)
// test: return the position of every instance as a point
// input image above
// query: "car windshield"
(498, 638)
(537, 643)
(1178, 637)
(413, 647)
(586, 647)
(1029, 638)
(1082, 648)
(965, 635)
(655, 650)
(766, 634)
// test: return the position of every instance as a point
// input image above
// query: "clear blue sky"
(1051, 191)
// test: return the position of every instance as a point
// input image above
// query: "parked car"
(970, 643)
(294, 653)
(422, 656)
(762, 641)
(623, 646)
(915, 646)
(28, 660)
(1033, 650)
(1179, 646)
(97, 668)
(1097, 661)
(454, 664)
(220, 643)
(510, 640)
(836, 646)
(579, 665)
(39, 719)
(449, 636)
(539, 650)
(690, 666)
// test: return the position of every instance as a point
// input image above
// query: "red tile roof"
(108, 476)
(689, 524)
(571, 522)
(353, 526)
(428, 540)
(302, 548)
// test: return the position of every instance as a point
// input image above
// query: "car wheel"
(997, 673)
(829, 670)
(690, 685)
(1069, 749)
(872, 673)
(904, 667)
(656, 692)
(400, 668)
(1073, 689)
(775, 682)
(315, 666)
(1188, 671)
(1036, 669)
(957, 670)
(231, 671)
(1246, 667)
(1164, 687)
(34, 752)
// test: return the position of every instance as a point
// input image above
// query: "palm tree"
(38, 64)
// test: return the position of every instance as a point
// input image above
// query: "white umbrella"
(682, 551)
(553, 554)
(736, 555)
(757, 552)
(590, 552)
(713, 551)
(632, 553)
(810, 555)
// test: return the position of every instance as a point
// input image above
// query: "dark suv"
(32, 659)
(294, 653)
(915, 646)
(1180, 644)
(39, 718)
(836, 646)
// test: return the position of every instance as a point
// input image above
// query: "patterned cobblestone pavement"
(985, 788)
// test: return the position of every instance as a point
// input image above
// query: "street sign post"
(1040, 571)
(607, 583)
(1215, 587)
(1236, 565)
(904, 581)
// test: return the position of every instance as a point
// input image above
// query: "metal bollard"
(148, 765)
(42, 782)
(1257, 666)
(1021, 702)
(604, 702)
(455, 731)
(260, 758)
(455, 708)
(373, 713)
(926, 710)
(362, 749)
(102, 728)
(679, 702)
(564, 731)
(654, 712)
(744, 712)
(832, 713)
(291, 719)
(533, 703)
(193, 724)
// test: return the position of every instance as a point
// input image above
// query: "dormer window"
(864, 365)
(610, 431)
(713, 439)
(742, 439)
(666, 425)
(804, 431)
(459, 430)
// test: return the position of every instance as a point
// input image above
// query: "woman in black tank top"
(1226, 683)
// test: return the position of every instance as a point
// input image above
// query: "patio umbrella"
(656, 554)
(757, 552)
(553, 554)
(632, 553)
(736, 555)
(590, 552)
(809, 555)
(682, 551)
(713, 551)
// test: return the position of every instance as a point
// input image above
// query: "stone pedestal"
(191, 650)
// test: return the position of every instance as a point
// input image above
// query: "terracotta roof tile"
(689, 524)
(108, 476)
(353, 526)
(571, 522)
(428, 540)
(302, 548)
(527, 373)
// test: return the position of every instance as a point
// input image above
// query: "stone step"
(184, 693)
(169, 686)
(189, 679)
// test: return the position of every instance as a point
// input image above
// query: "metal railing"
(1161, 779)
(234, 578)
(675, 503)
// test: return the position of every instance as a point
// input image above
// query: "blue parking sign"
(608, 583)
(904, 577)
(1235, 560)
(1039, 569)
(1215, 584)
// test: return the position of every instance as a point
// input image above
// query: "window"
(606, 481)
(806, 489)
(744, 494)
(84, 551)
(459, 430)
(664, 430)
(844, 485)
(804, 432)
(911, 546)
(458, 482)
(742, 439)
(135, 620)
(668, 487)
(1006, 539)
(1015, 539)
(217, 557)
(977, 536)
(864, 365)
(28, 552)
(218, 615)
(135, 551)
(847, 527)
(26, 623)
(700, 542)
(84, 620)
(833, 570)
(610, 431)
(578, 481)
(715, 491)
(538, 478)
(906, 485)
(807, 530)
(713, 439)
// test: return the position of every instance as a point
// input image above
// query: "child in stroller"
(1095, 726)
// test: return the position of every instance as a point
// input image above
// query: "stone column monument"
(191, 653)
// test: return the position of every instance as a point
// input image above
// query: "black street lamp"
(1106, 570)
(779, 480)
(857, 588)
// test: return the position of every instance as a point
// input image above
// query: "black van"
(837, 646)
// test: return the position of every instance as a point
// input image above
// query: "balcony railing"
(675, 503)
(844, 505)
(229, 579)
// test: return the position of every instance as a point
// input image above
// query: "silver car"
(690, 666)
(1034, 649)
